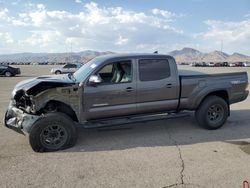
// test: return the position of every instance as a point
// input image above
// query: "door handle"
(169, 85)
(129, 89)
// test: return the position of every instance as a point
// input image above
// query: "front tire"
(212, 113)
(54, 131)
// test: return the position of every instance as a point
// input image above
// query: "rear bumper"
(18, 120)
(239, 97)
(18, 71)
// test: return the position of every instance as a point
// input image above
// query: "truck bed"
(196, 85)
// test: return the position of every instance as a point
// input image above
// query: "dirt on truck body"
(118, 89)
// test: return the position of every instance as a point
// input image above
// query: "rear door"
(115, 95)
(157, 86)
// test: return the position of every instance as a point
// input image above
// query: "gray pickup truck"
(112, 90)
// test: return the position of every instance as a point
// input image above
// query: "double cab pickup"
(117, 89)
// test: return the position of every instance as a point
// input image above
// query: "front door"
(115, 95)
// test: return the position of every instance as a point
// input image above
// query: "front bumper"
(18, 120)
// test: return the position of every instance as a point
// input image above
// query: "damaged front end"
(19, 116)
(22, 112)
(18, 120)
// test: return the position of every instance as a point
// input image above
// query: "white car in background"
(246, 64)
(232, 64)
(68, 68)
(211, 64)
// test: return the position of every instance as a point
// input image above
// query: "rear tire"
(8, 74)
(54, 131)
(58, 72)
(212, 113)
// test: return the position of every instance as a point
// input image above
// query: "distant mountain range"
(184, 55)
(73, 57)
(192, 55)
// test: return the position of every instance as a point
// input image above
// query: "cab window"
(117, 72)
(153, 69)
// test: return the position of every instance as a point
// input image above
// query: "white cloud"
(95, 27)
(121, 40)
(40, 6)
(4, 15)
(29, 5)
(18, 23)
(235, 35)
(247, 15)
(230, 31)
(163, 13)
(15, 2)
(78, 1)
(38, 16)
(41, 39)
(6, 38)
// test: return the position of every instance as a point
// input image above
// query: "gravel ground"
(169, 153)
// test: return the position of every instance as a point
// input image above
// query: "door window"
(117, 72)
(68, 66)
(153, 69)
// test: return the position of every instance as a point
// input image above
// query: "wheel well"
(222, 94)
(58, 106)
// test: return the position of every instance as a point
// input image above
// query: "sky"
(124, 26)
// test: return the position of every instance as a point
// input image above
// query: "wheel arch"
(59, 106)
(219, 93)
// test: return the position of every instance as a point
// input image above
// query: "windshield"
(82, 73)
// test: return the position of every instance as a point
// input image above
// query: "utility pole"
(221, 47)
(71, 53)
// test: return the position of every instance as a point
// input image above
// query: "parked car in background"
(225, 64)
(199, 64)
(204, 64)
(232, 64)
(217, 65)
(184, 63)
(68, 68)
(211, 64)
(9, 71)
(246, 64)
(239, 64)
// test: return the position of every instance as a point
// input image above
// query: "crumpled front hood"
(43, 82)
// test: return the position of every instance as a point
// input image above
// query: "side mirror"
(95, 79)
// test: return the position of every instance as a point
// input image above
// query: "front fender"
(68, 95)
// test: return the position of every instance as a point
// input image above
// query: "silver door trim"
(98, 105)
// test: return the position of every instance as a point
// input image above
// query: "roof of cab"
(133, 55)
